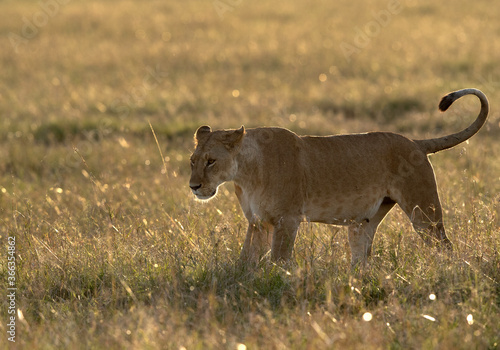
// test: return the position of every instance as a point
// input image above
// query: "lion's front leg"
(257, 242)
(284, 235)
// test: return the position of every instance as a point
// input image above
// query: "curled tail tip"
(446, 101)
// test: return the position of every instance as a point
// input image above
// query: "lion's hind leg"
(420, 201)
(361, 234)
(427, 220)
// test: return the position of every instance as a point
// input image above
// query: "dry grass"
(113, 252)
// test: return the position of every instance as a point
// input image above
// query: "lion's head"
(213, 160)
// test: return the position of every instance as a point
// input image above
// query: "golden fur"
(282, 179)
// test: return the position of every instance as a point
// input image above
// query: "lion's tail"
(442, 143)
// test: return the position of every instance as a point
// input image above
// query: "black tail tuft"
(446, 102)
(445, 142)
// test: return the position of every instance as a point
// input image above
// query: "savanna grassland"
(112, 250)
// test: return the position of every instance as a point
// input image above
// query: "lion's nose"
(194, 187)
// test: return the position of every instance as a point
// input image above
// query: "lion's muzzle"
(200, 192)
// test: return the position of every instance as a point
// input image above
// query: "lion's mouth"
(205, 197)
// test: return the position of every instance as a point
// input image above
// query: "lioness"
(281, 179)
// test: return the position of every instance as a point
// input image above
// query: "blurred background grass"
(114, 252)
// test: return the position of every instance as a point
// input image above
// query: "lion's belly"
(342, 211)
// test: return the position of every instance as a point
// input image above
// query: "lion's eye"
(210, 162)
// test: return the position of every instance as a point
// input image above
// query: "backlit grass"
(114, 252)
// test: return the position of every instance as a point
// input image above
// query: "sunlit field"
(112, 250)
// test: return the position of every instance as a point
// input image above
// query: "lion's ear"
(202, 132)
(233, 138)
